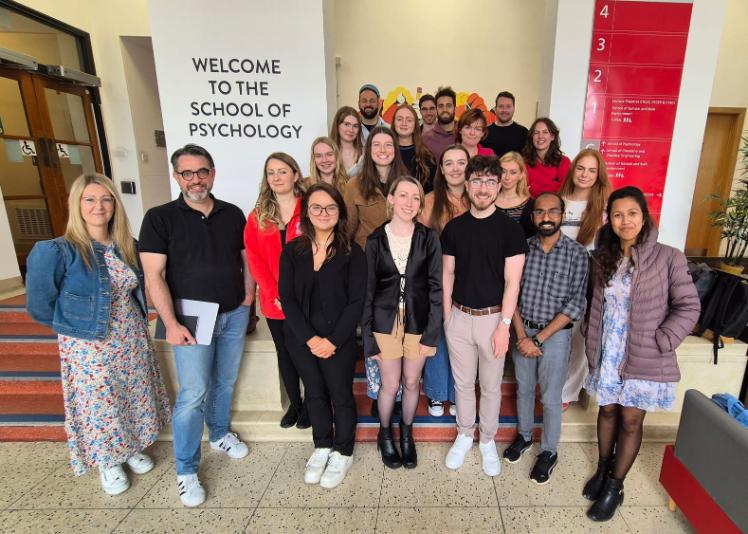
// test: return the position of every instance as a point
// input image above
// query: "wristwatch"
(537, 342)
(506, 320)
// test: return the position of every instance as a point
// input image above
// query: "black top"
(340, 284)
(522, 214)
(422, 293)
(480, 247)
(203, 253)
(503, 139)
(408, 153)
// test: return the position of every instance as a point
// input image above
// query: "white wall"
(481, 46)
(8, 263)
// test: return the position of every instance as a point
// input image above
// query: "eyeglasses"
(202, 173)
(490, 183)
(316, 209)
(553, 212)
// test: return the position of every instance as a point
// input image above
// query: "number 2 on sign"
(598, 76)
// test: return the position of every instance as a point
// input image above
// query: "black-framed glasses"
(201, 173)
(553, 212)
(490, 183)
(316, 209)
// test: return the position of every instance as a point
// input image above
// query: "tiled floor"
(265, 493)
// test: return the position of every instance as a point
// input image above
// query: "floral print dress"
(115, 400)
(606, 381)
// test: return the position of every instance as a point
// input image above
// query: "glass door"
(49, 138)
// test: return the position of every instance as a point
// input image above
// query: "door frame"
(727, 165)
(87, 65)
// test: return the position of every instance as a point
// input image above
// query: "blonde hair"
(118, 228)
(393, 187)
(523, 189)
(339, 178)
(267, 209)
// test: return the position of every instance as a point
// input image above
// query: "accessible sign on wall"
(242, 79)
(636, 64)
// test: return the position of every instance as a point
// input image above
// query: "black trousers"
(288, 372)
(325, 381)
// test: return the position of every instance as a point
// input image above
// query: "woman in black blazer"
(402, 312)
(321, 285)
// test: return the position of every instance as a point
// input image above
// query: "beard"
(482, 202)
(446, 118)
(369, 112)
(548, 229)
(196, 196)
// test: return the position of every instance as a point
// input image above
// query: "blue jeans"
(549, 370)
(206, 375)
(438, 382)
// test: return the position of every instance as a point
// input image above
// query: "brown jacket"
(664, 309)
(364, 215)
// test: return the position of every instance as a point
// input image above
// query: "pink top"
(485, 151)
(546, 179)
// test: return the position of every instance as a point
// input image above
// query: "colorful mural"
(465, 102)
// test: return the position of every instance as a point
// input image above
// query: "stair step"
(31, 357)
(31, 397)
(25, 329)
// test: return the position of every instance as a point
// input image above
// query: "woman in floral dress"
(643, 305)
(88, 286)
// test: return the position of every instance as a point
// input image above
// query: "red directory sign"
(636, 63)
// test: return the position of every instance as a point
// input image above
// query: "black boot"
(290, 417)
(408, 446)
(303, 421)
(386, 447)
(594, 485)
(609, 500)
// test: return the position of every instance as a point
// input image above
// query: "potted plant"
(732, 218)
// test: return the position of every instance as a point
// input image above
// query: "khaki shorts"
(398, 344)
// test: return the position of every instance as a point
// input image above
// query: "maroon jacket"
(664, 309)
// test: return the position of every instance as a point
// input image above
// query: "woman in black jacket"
(402, 311)
(321, 286)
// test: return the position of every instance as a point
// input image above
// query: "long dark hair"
(554, 154)
(442, 204)
(340, 241)
(369, 176)
(608, 252)
(423, 157)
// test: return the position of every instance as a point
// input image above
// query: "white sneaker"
(140, 463)
(191, 492)
(231, 445)
(316, 465)
(456, 454)
(453, 409)
(337, 467)
(491, 461)
(436, 408)
(114, 480)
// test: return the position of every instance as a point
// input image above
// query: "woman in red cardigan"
(273, 223)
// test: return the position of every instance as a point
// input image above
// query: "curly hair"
(553, 156)
(267, 209)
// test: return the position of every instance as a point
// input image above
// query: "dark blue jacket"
(61, 292)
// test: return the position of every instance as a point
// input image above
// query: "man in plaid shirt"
(552, 296)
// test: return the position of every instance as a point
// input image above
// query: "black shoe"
(408, 446)
(514, 452)
(595, 485)
(386, 447)
(375, 409)
(290, 417)
(544, 466)
(303, 421)
(611, 497)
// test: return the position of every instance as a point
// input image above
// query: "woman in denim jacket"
(88, 286)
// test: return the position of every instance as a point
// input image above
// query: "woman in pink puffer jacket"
(643, 305)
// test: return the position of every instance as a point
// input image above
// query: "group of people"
(436, 249)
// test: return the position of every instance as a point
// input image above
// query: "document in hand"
(197, 315)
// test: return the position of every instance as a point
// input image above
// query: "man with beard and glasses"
(483, 254)
(442, 134)
(505, 135)
(369, 105)
(193, 248)
(552, 296)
